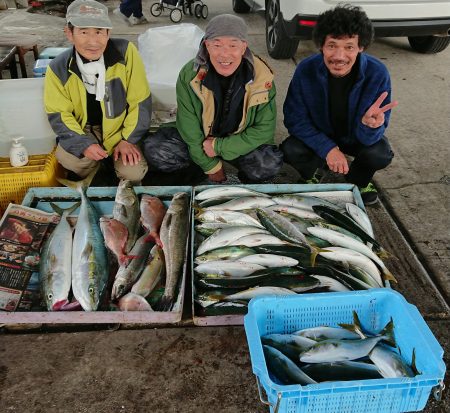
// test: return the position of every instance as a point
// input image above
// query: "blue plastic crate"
(51, 52)
(267, 315)
(40, 67)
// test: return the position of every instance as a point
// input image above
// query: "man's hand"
(128, 152)
(374, 117)
(336, 161)
(218, 177)
(95, 152)
(208, 147)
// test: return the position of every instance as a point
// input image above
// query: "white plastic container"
(22, 114)
(18, 154)
(164, 51)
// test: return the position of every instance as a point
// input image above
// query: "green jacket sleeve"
(259, 130)
(189, 120)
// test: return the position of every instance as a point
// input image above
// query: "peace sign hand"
(374, 117)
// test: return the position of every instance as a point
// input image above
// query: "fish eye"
(91, 290)
(50, 296)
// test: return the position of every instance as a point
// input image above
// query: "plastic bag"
(165, 50)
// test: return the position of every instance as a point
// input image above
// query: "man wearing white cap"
(226, 111)
(97, 96)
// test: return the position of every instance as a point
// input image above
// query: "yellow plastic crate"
(41, 170)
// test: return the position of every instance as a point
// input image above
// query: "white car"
(426, 23)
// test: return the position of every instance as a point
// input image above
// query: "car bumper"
(301, 27)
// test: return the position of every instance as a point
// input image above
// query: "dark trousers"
(131, 7)
(166, 151)
(367, 159)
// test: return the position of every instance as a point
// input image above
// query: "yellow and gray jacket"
(195, 115)
(126, 107)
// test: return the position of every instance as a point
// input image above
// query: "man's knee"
(81, 167)
(133, 173)
(377, 156)
(294, 149)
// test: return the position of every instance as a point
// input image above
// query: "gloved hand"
(218, 177)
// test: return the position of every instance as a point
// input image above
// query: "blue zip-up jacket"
(306, 107)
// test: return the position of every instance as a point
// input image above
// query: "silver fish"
(348, 256)
(285, 369)
(389, 363)
(227, 191)
(298, 212)
(327, 333)
(257, 292)
(55, 266)
(126, 210)
(226, 236)
(246, 202)
(290, 345)
(330, 283)
(281, 227)
(228, 217)
(341, 240)
(173, 234)
(153, 272)
(90, 270)
(333, 350)
(232, 252)
(229, 268)
(128, 274)
(360, 217)
(269, 260)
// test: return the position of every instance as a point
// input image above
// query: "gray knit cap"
(226, 25)
(223, 25)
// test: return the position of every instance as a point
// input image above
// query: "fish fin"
(388, 276)
(69, 210)
(164, 304)
(413, 363)
(358, 326)
(83, 184)
(388, 333)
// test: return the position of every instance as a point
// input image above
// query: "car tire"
(240, 6)
(429, 44)
(279, 45)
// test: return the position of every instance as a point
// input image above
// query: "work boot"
(122, 16)
(138, 20)
(369, 194)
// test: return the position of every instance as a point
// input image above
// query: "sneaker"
(369, 194)
(138, 20)
(122, 16)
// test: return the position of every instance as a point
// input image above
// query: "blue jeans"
(367, 159)
(131, 7)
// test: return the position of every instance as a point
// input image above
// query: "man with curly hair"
(338, 103)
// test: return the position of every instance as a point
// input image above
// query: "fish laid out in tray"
(249, 243)
(147, 244)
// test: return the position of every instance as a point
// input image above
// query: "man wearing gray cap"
(226, 110)
(97, 97)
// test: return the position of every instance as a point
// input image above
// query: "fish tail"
(388, 333)
(355, 327)
(384, 254)
(387, 275)
(413, 363)
(80, 185)
(164, 304)
(60, 211)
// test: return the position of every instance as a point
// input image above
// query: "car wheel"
(279, 45)
(240, 6)
(429, 44)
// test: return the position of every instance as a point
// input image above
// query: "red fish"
(152, 214)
